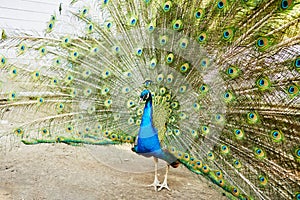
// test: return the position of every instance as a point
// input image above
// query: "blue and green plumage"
(148, 143)
(225, 86)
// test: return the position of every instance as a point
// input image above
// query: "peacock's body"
(148, 143)
(224, 78)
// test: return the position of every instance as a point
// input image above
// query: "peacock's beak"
(141, 99)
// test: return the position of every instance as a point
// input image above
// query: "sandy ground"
(59, 171)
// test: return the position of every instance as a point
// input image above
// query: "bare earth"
(60, 171)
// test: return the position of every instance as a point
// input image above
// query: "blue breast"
(148, 143)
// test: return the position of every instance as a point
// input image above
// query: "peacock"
(213, 85)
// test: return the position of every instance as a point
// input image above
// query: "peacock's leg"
(165, 184)
(156, 181)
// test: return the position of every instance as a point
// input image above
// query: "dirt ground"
(59, 171)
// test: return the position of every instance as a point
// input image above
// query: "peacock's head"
(145, 95)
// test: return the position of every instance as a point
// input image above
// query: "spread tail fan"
(218, 80)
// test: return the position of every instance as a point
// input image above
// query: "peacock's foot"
(164, 185)
(155, 184)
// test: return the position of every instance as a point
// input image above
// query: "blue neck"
(147, 115)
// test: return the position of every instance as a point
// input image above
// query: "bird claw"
(164, 185)
(156, 184)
